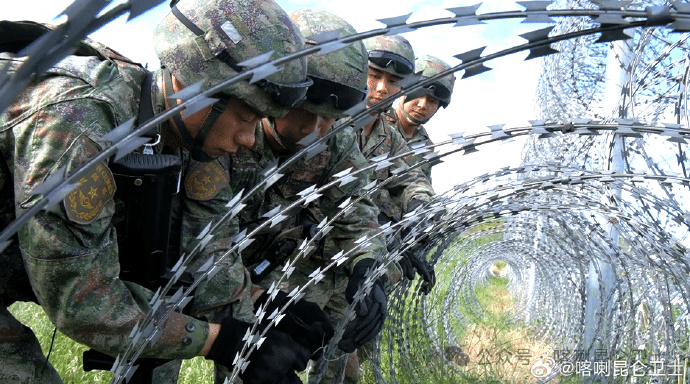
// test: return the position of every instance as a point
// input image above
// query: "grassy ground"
(500, 349)
(66, 355)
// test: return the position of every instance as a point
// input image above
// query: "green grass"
(66, 355)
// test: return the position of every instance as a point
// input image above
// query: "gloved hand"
(303, 320)
(274, 362)
(414, 204)
(410, 264)
(370, 311)
(424, 269)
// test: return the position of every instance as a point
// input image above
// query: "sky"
(502, 96)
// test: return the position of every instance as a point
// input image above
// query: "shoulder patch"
(86, 202)
(205, 180)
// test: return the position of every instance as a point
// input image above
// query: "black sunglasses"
(384, 59)
(344, 97)
(286, 95)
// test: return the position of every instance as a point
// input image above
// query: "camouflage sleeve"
(413, 184)
(206, 193)
(70, 250)
(361, 220)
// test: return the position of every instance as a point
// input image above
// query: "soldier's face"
(298, 123)
(234, 128)
(422, 108)
(381, 85)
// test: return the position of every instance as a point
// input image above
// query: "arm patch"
(205, 180)
(85, 203)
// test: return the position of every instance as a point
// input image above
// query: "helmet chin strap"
(285, 144)
(412, 119)
(195, 144)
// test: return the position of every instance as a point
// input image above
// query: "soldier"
(339, 84)
(391, 60)
(412, 112)
(70, 250)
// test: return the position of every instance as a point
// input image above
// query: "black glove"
(414, 204)
(406, 265)
(425, 270)
(275, 362)
(370, 311)
(303, 320)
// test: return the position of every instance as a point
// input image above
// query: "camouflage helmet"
(205, 39)
(392, 54)
(340, 77)
(442, 88)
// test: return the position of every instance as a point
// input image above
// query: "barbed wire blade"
(257, 60)
(178, 263)
(324, 37)
(309, 139)
(130, 373)
(157, 333)
(475, 70)
(124, 148)
(615, 35)
(272, 179)
(364, 120)
(235, 199)
(537, 35)
(532, 7)
(115, 364)
(466, 15)
(681, 25)
(204, 231)
(413, 80)
(357, 108)
(400, 169)
(369, 186)
(470, 55)
(307, 191)
(244, 244)
(396, 24)
(139, 7)
(214, 270)
(193, 92)
(80, 13)
(239, 236)
(311, 197)
(187, 92)
(263, 71)
(155, 296)
(419, 147)
(293, 293)
(206, 266)
(277, 220)
(315, 272)
(320, 147)
(134, 330)
(272, 212)
(119, 133)
(50, 183)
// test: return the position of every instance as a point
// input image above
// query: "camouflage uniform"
(441, 89)
(392, 199)
(420, 136)
(341, 153)
(70, 250)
